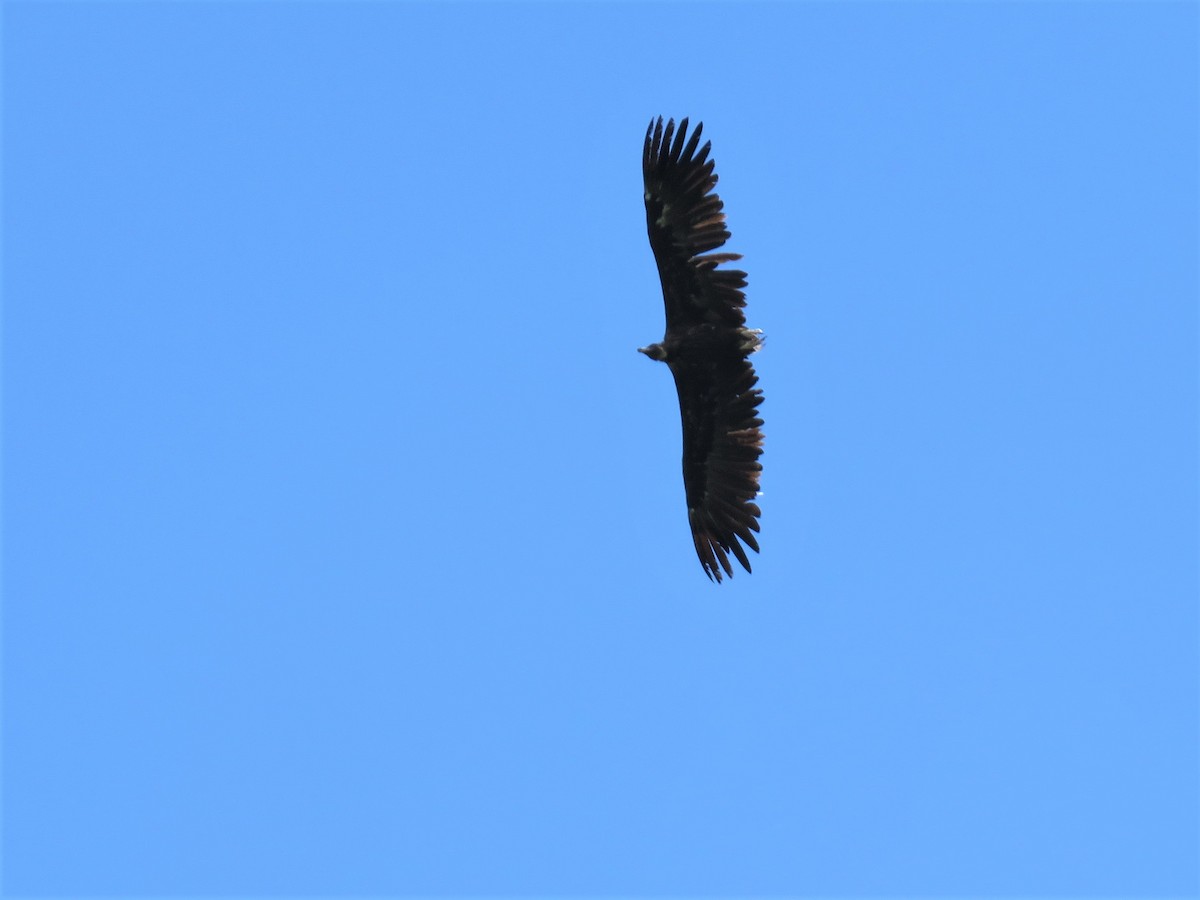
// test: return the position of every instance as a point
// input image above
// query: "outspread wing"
(722, 441)
(707, 346)
(686, 219)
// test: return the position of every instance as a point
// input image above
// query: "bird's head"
(655, 351)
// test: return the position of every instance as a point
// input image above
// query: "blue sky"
(345, 549)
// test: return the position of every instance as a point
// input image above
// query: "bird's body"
(706, 346)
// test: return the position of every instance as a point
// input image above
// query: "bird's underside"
(706, 346)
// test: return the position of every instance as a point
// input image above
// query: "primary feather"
(706, 345)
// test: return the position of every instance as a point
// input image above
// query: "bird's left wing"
(685, 219)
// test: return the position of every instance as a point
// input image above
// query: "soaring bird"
(706, 346)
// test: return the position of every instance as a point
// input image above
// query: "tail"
(752, 340)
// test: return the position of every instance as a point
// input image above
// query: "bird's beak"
(654, 351)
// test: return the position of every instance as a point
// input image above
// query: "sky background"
(345, 548)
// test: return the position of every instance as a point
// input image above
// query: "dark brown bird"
(706, 345)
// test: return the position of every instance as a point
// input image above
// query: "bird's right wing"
(722, 441)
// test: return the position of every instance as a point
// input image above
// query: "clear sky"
(345, 549)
